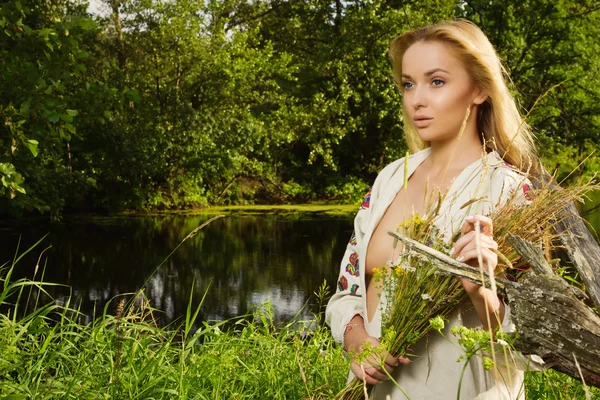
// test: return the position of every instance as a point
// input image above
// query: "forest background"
(164, 104)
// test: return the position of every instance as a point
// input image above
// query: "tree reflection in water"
(245, 259)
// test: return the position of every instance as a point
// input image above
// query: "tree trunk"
(121, 56)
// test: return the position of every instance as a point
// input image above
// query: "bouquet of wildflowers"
(414, 294)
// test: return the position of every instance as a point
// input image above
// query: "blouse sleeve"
(347, 301)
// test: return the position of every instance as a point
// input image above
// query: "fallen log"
(550, 318)
(580, 246)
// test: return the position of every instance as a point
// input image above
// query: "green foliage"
(551, 47)
(169, 105)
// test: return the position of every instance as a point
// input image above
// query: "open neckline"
(411, 170)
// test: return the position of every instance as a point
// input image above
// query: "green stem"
(395, 383)
(462, 373)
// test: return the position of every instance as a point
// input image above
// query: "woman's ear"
(480, 97)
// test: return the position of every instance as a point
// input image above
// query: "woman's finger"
(469, 241)
(486, 242)
(403, 360)
(364, 373)
(392, 361)
(487, 227)
(371, 381)
(461, 243)
(487, 255)
(376, 373)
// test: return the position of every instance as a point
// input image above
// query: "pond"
(239, 261)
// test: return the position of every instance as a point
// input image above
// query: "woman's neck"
(456, 154)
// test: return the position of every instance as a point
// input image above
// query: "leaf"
(14, 397)
(72, 113)
(7, 169)
(32, 145)
(70, 128)
(54, 117)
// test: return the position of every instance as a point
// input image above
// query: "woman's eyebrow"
(428, 73)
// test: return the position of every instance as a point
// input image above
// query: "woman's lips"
(422, 122)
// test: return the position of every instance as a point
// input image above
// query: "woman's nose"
(418, 98)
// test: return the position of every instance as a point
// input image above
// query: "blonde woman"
(449, 75)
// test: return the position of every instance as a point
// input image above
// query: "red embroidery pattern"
(527, 192)
(343, 283)
(366, 201)
(509, 165)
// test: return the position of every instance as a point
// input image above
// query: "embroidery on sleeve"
(343, 283)
(354, 289)
(527, 192)
(366, 201)
(352, 241)
(352, 267)
(509, 165)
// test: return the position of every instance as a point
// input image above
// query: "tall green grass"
(48, 352)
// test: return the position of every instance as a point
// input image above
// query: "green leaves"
(32, 145)
(11, 180)
(265, 102)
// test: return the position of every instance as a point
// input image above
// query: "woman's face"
(437, 91)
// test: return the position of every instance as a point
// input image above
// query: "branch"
(449, 265)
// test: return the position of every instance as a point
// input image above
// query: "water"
(239, 261)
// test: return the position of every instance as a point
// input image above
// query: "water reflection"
(244, 259)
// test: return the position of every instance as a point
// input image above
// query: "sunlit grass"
(287, 209)
(48, 352)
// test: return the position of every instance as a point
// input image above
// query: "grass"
(47, 352)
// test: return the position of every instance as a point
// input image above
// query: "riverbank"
(327, 209)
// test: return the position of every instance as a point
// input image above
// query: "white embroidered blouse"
(435, 372)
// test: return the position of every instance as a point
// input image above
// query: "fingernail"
(460, 258)
(470, 218)
(452, 251)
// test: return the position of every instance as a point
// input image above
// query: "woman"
(452, 81)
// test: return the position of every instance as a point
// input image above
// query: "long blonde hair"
(498, 118)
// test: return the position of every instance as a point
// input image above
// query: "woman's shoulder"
(503, 171)
(506, 180)
(501, 166)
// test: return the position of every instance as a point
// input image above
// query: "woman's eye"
(437, 82)
(407, 85)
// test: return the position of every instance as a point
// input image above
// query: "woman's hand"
(488, 306)
(371, 370)
(465, 248)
